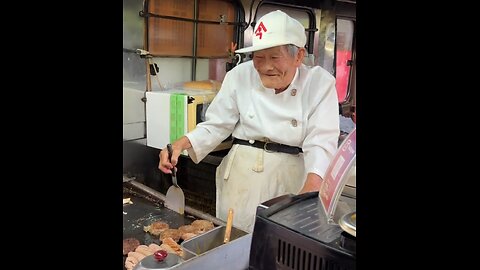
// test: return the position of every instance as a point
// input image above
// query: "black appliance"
(311, 231)
(292, 232)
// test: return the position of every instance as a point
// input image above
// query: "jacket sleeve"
(220, 119)
(323, 128)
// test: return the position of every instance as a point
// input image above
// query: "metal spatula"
(175, 199)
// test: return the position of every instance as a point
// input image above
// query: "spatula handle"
(170, 151)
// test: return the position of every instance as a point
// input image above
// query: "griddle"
(144, 211)
(148, 206)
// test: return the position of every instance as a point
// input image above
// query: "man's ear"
(299, 57)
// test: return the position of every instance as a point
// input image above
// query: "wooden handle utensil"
(228, 228)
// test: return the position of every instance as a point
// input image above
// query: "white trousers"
(248, 176)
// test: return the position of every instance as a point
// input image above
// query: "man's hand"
(312, 183)
(166, 165)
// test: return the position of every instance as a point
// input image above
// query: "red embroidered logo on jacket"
(259, 30)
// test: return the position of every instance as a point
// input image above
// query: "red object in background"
(342, 74)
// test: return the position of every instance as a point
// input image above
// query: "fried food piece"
(167, 248)
(156, 227)
(130, 244)
(130, 262)
(187, 236)
(202, 225)
(143, 249)
(136, 255)
(173, 245)
(154, 247)
(187, 229)
(133, 258)
(172, 233)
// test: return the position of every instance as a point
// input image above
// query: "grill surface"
(144, 211)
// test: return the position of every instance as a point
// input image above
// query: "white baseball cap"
(274, 29)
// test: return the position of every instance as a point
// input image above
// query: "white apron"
(248, 176)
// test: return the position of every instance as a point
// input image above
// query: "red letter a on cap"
(259, 30)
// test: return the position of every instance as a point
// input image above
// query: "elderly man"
(282, 115)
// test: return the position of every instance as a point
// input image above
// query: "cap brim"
(257, 48)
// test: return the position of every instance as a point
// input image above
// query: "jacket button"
(294, 123)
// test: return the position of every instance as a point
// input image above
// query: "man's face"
(276, 66)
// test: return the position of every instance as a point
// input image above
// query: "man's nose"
(268, 65)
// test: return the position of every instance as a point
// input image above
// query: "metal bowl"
(348, 223)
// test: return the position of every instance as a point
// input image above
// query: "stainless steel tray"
(207, 250)
(210, 240)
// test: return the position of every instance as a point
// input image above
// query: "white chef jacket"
(306, 115)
